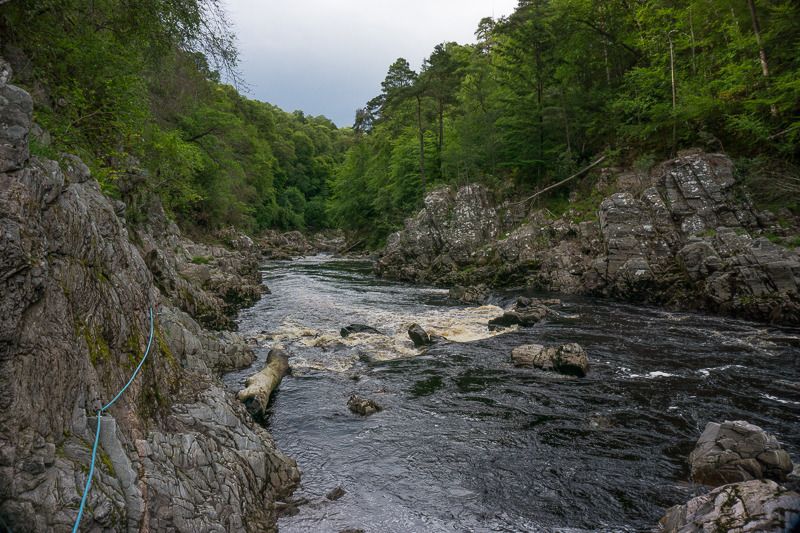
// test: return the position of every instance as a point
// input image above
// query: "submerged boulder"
(728, 452)
(569, 359)
(260, 386)
(756, 505)
(419, 336)
(363, 406)
(358, 328)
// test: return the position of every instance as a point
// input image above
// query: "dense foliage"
(558, 82)
(134, 88)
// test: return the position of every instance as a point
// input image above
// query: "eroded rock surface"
(729, 452)
(569, 359)
(684, 236)
(177, 452)
(752, 506)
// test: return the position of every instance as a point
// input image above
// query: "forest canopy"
(150, 88)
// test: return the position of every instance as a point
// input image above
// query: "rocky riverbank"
(684, 235)
(77, 281)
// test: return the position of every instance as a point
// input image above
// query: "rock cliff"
(76, 285)
(685, 235)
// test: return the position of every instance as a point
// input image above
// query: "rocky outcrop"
(737, 451)
(177, 452)
(684, 236)
(569, 359)
(752, 506)
(259, 387)
(276, 245)
(209, 282)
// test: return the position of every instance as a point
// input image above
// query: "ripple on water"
(466, 441)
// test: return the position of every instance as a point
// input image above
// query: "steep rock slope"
(178, 452)
(684, 236)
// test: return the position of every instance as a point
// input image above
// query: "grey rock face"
(177, 452)
(16, 116)
(569, 359)
(729, 452)
(751, 506)
(686, 237)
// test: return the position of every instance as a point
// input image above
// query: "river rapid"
(468, 442)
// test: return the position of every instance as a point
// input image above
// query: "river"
(468, 442)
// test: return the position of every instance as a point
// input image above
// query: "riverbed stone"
(569, 359)
(363, 406)
(419, 336)
(760, 506)
(734, 451)
(358, 328)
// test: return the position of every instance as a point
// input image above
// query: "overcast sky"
(328, 57)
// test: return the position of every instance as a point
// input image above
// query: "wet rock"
(363, 406)
(729, 452)
(569, 359)
(526, 312)
(336, 493)
(756, 505)
(475, 294)
(419, 336)
(259, 387)
(352, 531)
(358, 328)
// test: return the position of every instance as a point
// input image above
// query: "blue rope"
(97, 431)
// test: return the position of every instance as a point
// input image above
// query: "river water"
(468, 442)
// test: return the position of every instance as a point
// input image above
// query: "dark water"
(467, 442)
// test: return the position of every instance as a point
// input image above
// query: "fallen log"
(260, 386)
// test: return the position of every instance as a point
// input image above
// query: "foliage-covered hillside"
(134, 89)
(560, 81)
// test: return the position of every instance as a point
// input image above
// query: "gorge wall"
(77, 282)
(685, 235)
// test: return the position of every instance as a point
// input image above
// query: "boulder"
(336, 493)
(419, 336)
(757, 505)
(569, 359)
(729, 452)
(475, 294)
(358, 328)
(259, 386)
(363, 406)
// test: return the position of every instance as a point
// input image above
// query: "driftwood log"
(259, 387)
